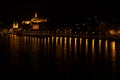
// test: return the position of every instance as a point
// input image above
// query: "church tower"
(35, 15)
(15, 24)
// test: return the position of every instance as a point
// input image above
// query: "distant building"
(35, 22)
(35, 19)
(15, 25)
(35, 26)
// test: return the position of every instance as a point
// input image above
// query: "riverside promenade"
(107, 36)
(74, 35)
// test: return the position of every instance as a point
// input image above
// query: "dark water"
(59, 58)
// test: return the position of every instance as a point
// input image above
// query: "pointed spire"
(35, 14)
(15, 24)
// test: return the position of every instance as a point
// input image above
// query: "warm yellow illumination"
(11, 30)
(100, 46)
(52, 39)
(80, 41)
(57, 40)
(113, 52)
(65, 40)
(118, 32)
(48, 41)
(80, 44)
(35, 19)
(65, 48)
(106, 49)
(15, 24)
(35, 14)
(93, 40)
(86, 48)
(75, 45)
(14, 42)
(75, 42)
(70, 41)
(60, 40)
(93, 50)
(86, 41)
(35, 26)
(106, 45)
(113, 45)
(45, 20)
(26, 22)
(112, 32)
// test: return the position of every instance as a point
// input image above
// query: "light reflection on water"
(58, 48)
(70, 47)
(75, 48)
(106, 49)
(93, 50)
(14, 47)
(113, 55)
(86, 48)
(67, 50)
(100, 46)
(80, 45)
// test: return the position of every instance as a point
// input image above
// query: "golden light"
(48, 41)
(75, 42)
(35, 19)
(93, 50)
(80, 44)
(100, 45)
(45, 20)
(11, 30)
(61, 40)
(27, 22)
(52, 39)
(80, 41)
(106, 46)
(118, 32)
(86, 49)
(86, 41)
(70, 40)
(75, 48)
(15, 24)
(112, 32)
(57, 40)
(113, 45)
(93, 40)
(65, 40)
(35, 26)
(65, 48)
(113, 52)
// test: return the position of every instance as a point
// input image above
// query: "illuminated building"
(15, 25)
(35, 23)
(35, 26)
(35, 19)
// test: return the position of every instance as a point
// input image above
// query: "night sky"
(58, 9)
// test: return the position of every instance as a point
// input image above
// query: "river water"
(59, 58)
